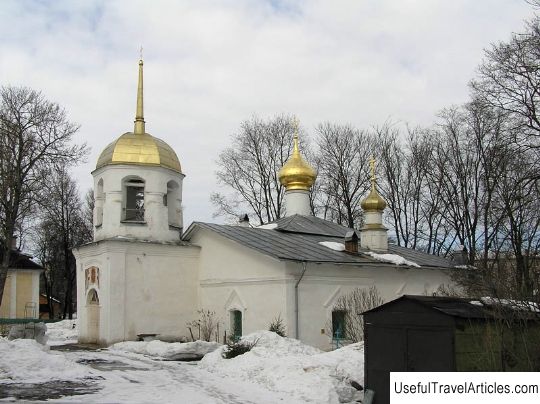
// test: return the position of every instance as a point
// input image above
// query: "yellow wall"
(6, 299)
(24, 294)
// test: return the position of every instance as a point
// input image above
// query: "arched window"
(172, 201)
(236, 324)
(92, 297)
(99, 200)
(133, 193)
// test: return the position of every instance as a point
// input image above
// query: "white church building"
(143, 274)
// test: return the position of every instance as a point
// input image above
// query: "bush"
(277, 326)
(352, 305)
(206, 325)
(236, 348)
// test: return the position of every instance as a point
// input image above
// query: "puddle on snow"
(45, 391)
(103, 364)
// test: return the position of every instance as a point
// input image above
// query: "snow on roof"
(513, 304)
(333, 245)
(268, 226)
(393, 258)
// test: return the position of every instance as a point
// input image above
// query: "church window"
(172, 201)
(339, 323)
(134, 201)
(236, 324)
(99, 203)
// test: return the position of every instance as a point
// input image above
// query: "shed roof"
(453, 306)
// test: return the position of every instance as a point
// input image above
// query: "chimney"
(460, 256)
(351, 242)
(14, 242)
(243, 221)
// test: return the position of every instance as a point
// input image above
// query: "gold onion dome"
(373, 202)
(296, 173)
(139, 147)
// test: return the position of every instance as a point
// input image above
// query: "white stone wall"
(143, 288)
(109, 205)
(234, 277)
(322, 285)
(237, 277)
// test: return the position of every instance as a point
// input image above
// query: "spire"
(139, 116)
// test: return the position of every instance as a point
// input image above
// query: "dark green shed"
(428, 333)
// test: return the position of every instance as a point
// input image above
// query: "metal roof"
(297, 238)
(457, 307)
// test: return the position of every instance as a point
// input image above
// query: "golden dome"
(296, 173)
(139, 147)
(373, 202)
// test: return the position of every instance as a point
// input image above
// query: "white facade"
(163, 219)
(235, 277)
(126, 288)
(137, 277)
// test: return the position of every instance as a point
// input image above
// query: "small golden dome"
(139, 149)
(373, 202)
(296, 173)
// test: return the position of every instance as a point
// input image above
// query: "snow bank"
(62, 332)
(288, 366)
(333, 245)
(392, 258)
(166, 350)
(25, 360)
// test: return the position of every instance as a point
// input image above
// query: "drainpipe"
(304, 267)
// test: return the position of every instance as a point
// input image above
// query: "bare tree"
(405, 166)
(34, 133)
(250, 168)
(343, 177)
(63, 222)
(353, 304)
(509, 79)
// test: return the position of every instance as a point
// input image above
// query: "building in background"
(21, 290)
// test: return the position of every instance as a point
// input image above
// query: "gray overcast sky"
(211, 64)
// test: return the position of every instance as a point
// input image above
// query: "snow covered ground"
(276, 370)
